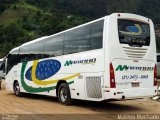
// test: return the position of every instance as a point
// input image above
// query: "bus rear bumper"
(130, 93)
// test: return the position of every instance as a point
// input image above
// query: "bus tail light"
(155, 75)
(112, 77)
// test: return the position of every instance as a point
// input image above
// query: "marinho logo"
(125, 68)
(85, 61)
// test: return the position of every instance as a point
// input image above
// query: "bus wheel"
(17, 89)
(64, 95)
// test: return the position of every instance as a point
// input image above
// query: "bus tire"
(16, 89)
(64, 95)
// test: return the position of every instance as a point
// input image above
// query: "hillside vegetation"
(25, 20)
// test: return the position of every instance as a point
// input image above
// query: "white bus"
(113, 57)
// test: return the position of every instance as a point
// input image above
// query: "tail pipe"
(123, 97)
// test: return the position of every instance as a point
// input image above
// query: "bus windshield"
(133, 32)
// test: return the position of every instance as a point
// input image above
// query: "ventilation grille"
(137, 53)
(93, 86)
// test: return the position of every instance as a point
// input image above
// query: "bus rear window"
(134, 33)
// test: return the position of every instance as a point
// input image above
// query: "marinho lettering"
(85, 61)
(125, 67)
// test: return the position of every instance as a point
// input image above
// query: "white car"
(2, 74)
(1, 60)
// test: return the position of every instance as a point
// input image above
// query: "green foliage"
(25, 20)
(4, 4)
(11, 35)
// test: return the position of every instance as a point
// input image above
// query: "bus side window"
(24, 52)
(77, 40)
(54, 46)
(12, 59)
(37, 50)
(85, 38)
(96, 34)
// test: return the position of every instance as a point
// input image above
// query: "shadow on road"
(113, 106)
(108, 106)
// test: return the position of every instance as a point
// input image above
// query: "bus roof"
(14, 49)
(46, 37)
(36, 40)
(27, 43)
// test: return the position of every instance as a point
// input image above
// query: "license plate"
(135, 84)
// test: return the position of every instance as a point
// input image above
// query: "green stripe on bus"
(71, 82)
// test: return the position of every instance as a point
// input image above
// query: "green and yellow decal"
(38, 74)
